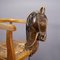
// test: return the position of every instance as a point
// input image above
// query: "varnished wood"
(24, 55)
(32, 29)
(21, 56)
(7, 27)
(9, 37)
(12, 20)
(10, 47)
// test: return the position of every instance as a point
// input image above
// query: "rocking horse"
(36, 26)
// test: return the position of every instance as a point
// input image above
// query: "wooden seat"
(20, 51)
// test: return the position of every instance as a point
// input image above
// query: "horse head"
(42, 24)
(36, 29)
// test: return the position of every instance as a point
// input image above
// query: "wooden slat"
(12, 20)
(7, 27)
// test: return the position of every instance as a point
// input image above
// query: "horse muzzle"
(41, 36)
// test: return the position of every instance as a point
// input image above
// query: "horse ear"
(42, 10)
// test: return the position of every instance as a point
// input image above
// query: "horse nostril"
(42, 36)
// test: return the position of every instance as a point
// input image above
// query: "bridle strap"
(34, 41)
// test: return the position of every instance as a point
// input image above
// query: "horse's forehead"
(41, 17)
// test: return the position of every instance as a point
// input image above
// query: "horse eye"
(34, 19)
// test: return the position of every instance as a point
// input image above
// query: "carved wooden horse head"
(36, 29)
(42, 24)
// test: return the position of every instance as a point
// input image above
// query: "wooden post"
(10, 47)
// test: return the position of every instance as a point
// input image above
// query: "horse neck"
(31, 36)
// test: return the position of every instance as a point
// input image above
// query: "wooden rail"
(7, 27)
(12, 20)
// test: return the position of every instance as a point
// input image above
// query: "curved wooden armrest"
(9, 27)
(13, 20)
